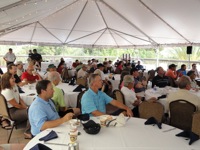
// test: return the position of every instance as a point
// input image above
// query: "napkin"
(118, 122)
(84, 117)
(162, 96)
(78, 89)
(152, 120)
(40, 146)
(72, 82)
(20, 90)
(50, 136)
(189, 134)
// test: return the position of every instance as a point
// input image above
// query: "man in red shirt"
(31, 76)
(75, 64)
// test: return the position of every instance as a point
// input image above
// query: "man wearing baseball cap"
(50, 68)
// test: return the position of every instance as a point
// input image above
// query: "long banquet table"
(133, 136)
(69, 96)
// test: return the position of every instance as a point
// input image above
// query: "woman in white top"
(17, 107)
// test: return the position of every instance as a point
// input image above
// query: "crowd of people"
(49, 109)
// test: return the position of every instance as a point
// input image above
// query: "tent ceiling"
(100, 23)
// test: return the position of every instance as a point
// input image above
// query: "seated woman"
(17, 107)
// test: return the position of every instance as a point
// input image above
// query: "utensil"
(169, 129)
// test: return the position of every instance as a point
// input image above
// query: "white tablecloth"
(115, 83)
(133, 136)
(70, 96)
(164, 91)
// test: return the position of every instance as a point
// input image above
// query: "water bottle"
(155, 88)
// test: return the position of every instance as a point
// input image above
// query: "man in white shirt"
(130, 97)
(99, 71)
(9, 57)
(82, 72)
(192, 77)
(184, 93)
(194, 68)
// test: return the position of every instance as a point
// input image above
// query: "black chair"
(181, 112)
(78, 105)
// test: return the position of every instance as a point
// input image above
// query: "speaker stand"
(188, 61)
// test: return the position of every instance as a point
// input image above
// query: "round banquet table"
(164, 91)
(70, 97)
(134, 135)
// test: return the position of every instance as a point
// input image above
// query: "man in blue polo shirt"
(94, 101)
(42, 112)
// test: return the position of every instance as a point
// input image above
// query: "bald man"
(30, 76)
(58, 96)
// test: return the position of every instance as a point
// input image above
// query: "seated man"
(139, 66)
(160, 80)
(171, 72)
(82, 72)
(139, 84)
(94, 101)
(58, 96)
(194, 68)
(182, 70)
(50, 68)
(42, 112)
(75, 64)
(30, 76)
(184, 93)
(130, 97)
(172, 75)
(192, 77)
(12, 69)
(93, 67)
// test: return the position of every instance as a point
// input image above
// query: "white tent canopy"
(100, 23)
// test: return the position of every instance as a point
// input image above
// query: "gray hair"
(183, 82)
(54, 75)
(92, 78)
(127, 79)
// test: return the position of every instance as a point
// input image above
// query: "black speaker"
(189, 49)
